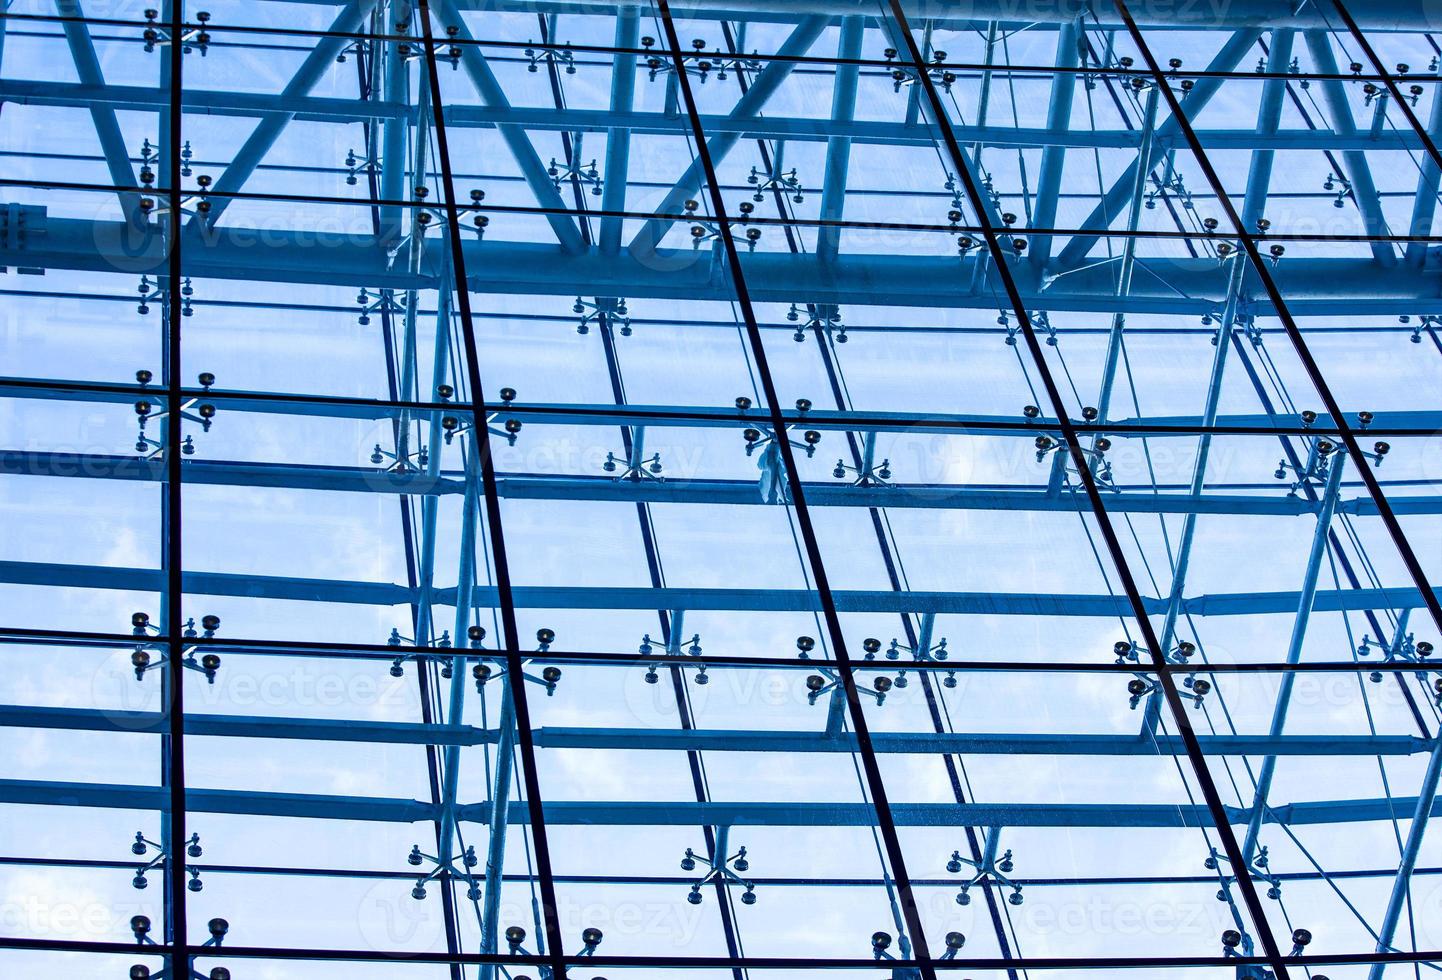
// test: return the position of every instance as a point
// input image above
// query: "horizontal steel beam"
(798, 129)
(1162, 285)
(608, 415)
(697, 740)
(746, 600)
(354, 479)
(632, 813)
(1374, 15)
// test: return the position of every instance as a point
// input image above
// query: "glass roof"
(723, 489)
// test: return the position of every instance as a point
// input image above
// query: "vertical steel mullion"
(515, 676)
(174, 582)
(872, 771)
(1079, 457)
(1294, 333)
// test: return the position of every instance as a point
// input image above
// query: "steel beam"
(332, 109)
(1339, 108)
(750, 600)
(1402, 884)
(1269, 119)
(1222, 343)
(1306, 604)
(107, 127)
(838, 148)
(1053, 157)
(682, 813)
(475, 65)
(1175, 287)
(698, 740)
(618, 141)
(1424, 204)
(644, 245)
(1226, 60)
(320, 60)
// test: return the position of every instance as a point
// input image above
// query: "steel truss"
(725, 205)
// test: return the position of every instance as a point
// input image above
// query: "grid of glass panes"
(644, 490)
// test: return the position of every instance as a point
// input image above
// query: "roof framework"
(417, 454)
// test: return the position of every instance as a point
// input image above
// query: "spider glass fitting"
(1404, 648)
(1424, 322)
(903, 76)
(574, 170)
(151, 291)
(442, 642)
(1322, 455)
(191, 38)
(1341, 186)
(673, 649)
(828, 681)
(881, 946)
(988, 868)
(142, 846)
(549, 677)
(192, 409)
(924, 650)
(1095, 454)
(516, 946)
(191, 204)
(467, 860)
(425, 216)
(383, 302)
(1259, 868)
(141, 927)
(1142, 686)
(558, 56)
(762, 443)
(721, 870)
(1376, 96)
(707, 232)
(355, 166)
(778, 178)
(612, 312)
(636, 466)
(868, 474)
(824, 318)
(452, 425)
(150, 656)
(697, 63)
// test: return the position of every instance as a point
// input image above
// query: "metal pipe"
(618, 141)
(768, 80)
(838, 148)
(1401, 885)
(1359, 171)
(1129, 257)
(1053, 157)
(1294, 650)
(517, 140)
(320, 59)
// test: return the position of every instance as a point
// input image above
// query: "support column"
(838, 148)
(618, 139)
(1053, 158)
(1424, 206)
(1364, 189)
(1175, 598)
(1401, 886)
(1294, 649)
